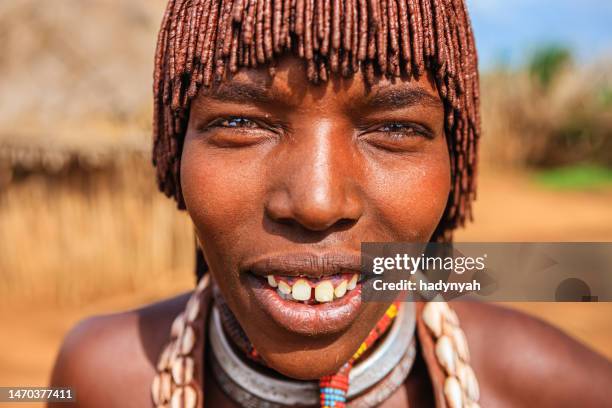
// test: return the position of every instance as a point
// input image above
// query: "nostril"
(285, 221)
(345, 223)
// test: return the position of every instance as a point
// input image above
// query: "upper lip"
(309, 264)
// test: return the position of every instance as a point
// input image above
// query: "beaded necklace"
(333, 388)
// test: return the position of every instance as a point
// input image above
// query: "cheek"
(411, 198)
(219, 192)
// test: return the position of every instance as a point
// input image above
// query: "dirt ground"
(509, 208)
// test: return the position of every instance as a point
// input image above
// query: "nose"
(316, 182)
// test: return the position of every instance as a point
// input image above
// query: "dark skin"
(323, 167)
(277, 164)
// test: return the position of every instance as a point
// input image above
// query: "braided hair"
(201, 41)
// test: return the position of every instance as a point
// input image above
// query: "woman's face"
(284, 178)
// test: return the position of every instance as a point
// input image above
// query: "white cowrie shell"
(453, 393)
(462, 375)
(178, 325)
(190, 397)
(433, 318)
(447, 327)
(442, 304)
(156, 389)
(446, 354)
(473, 390)
(468, 381)
(184, 397)
(165, 387)
(450, 316)
(182, 370)
(193, 309)
(187, 340)
(177, 398)
(461, 344)
(164, 358)
(174, 352)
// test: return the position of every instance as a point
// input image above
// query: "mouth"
(307, 294)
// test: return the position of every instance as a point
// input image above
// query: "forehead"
(289, 86)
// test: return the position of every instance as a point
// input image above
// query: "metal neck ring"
(250, 384)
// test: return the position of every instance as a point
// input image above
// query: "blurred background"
(84, 231)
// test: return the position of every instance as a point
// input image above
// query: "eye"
(236, 122)
(397, 136)
(238, 131)
(397, 130)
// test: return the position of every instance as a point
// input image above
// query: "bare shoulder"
(109, 360)
(523, 361)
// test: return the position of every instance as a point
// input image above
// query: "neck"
(380, 370)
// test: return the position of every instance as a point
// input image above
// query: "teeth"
(286, 296)
(271, 281)
(324, 292)
(301, 290)
(284, 288)
(340, 289)
(353, 282)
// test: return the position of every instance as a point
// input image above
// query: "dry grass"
(567, 122)
(72, 237)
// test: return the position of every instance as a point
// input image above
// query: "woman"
(291, 131)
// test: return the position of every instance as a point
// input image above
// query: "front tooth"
(340, 289)
(284, 287)
(271, 281)
(353, 282)
(324, 292)
(301, 290)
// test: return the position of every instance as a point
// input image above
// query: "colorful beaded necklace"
(333, 388)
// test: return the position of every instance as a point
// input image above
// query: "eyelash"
(397, 130)
(405, 130)
(221, 123)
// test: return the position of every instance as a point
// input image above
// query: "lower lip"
(307, 320)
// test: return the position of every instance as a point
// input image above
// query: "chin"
(307, 365)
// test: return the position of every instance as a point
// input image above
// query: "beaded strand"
(334, 388)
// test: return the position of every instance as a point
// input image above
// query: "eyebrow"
(383, 98)
(393, 98)
(243, 93)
